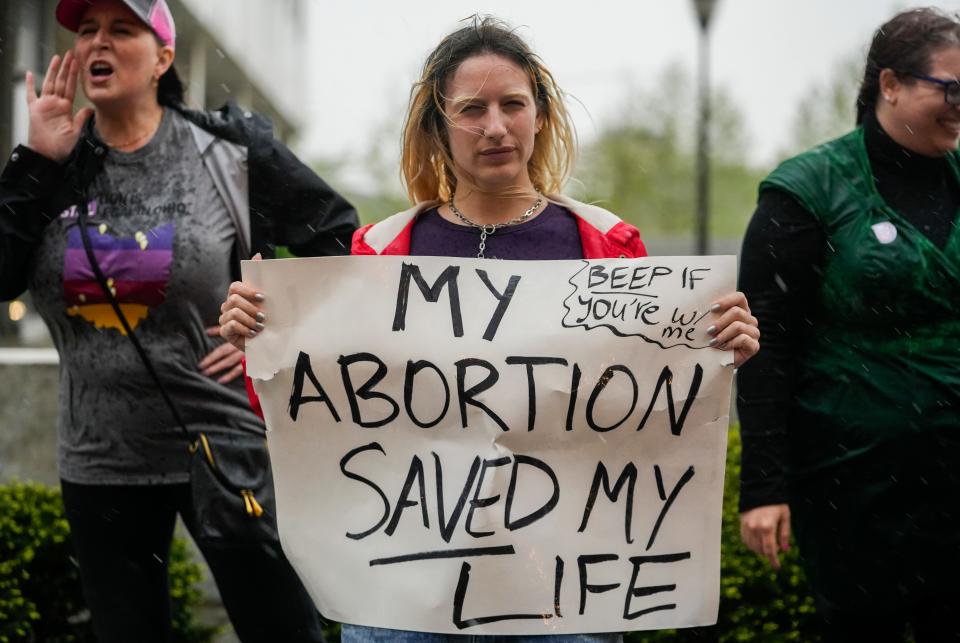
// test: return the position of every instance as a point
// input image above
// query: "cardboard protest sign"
(498, 447)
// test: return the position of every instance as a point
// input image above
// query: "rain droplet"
(780, 283)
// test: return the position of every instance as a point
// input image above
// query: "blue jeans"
(362, 634)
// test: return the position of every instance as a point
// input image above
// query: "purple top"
(552, 234)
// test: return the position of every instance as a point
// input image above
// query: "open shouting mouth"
(100, 71)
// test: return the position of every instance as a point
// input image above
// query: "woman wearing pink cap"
(125, 221)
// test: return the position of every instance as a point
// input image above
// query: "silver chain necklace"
(487, 229)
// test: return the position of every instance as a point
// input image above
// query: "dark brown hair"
(905, 44)
(170, 88)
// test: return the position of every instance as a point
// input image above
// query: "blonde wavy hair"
(426, 165)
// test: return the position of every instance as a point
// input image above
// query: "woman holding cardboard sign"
(487, 147)
(849, 419)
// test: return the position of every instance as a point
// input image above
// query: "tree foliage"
(642, 165)
(827, 109)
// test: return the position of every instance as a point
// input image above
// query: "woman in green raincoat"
(851, 414)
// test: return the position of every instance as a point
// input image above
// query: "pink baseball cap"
(154, 13)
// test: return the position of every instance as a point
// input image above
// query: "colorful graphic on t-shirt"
(137, 270)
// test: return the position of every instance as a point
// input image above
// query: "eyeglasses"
(951, 88)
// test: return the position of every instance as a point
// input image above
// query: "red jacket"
(602, 236)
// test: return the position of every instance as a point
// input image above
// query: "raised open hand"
(54, 128)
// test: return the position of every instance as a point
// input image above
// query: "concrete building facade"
(250, 51)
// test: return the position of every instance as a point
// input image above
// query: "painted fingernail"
(259, 326)
(712, 330)
(713, 342)
(259, 296)
(261, 317)
(715, 308)
(252, 333)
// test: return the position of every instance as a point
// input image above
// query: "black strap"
(108, 293)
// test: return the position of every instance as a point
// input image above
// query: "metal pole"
(703, 143)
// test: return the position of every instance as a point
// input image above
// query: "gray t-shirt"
(163, 238)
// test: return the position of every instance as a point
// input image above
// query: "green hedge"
(756, 604)
(40, 594)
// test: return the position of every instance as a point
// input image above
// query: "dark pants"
(122, 536)
(879, 535)
(932, 620)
